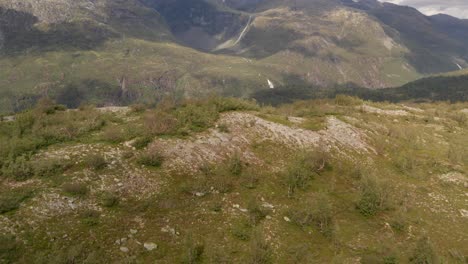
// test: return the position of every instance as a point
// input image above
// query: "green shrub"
(242, 230)
(75, 189)
(24, 122)
(317, 213)
(256, 212)
(235, 165)
(48, 107)
(260, 251)
(114, 134)
(346, 100)
(423, 253)
(9, 248)
(11, 200)
(219, 255)
(225, 104)
(95, 161)
(193, 251)
(138, 108)
(196, 117)
(399, 222)
(142, 142)
(303, 168)
(19, 169)
(223, 128)
(152, 158)
(250, 179)
(109, 200)
(374, 196)
(210, 179)
(160, 123)
(50, 167)
(90, 217)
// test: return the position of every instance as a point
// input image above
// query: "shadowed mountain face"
(152, 48)
(437, 43)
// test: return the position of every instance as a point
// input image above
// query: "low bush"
(346, 100)
(250, 179)
(211, 179)
(11, 200)
(90, 217)
(50, 167)
(223, 128)
(317, 212)
(9, 248)
(256, 212)
(242, 230)
(75, 189)
(193, 251)
(224, 104)
(195, 117)
(303, 168)
(19, 169)
(160, 123)
(142, 142)
(374, 196)
(260, 251)
(114, 134)
(423, 253)
(109, 200)
(235, 164)
(95, 162)
(152, 158)
(138, 108)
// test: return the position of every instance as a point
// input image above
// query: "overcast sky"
(458, 8)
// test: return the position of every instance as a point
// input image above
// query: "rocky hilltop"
(228, 181)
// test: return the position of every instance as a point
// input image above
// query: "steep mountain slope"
(436, 43)
(111, 52)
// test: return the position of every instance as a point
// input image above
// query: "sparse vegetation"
(96, 162)
(423, 253)
(11, 200)
(142, 142)
(317, 212)
(193, 251)
(260, 251)
(306, 199)
(151, 157)
(304, 168)
(374, 196)
(109, 199)
(75, 189)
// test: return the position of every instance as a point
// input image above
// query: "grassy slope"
(412, 152)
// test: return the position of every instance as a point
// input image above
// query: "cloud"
(458, 8)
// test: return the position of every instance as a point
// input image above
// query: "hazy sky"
(458, 8)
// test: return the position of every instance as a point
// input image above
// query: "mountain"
(436, 43)
(117, 52)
